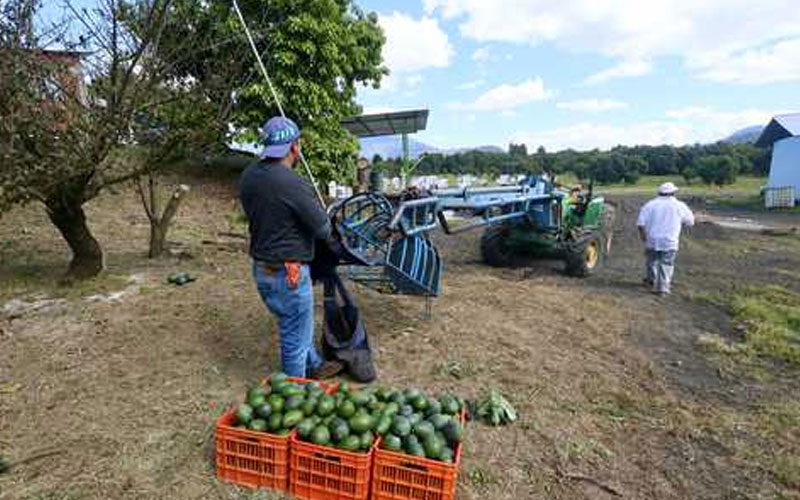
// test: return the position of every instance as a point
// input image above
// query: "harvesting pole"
(275, 96)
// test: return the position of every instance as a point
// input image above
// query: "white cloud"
(735, 41)
(506, 97)
(471, 85)
(481, 54)
(592, 105)
(623, 69)
(413, 45)
(679, 127)
(771, 64)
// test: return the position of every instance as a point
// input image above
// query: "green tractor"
(537, 219)
(385, 243)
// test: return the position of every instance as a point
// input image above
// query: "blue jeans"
(294, 309)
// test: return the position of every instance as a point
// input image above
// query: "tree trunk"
(159, 225)
(70, 219)
(158, 238)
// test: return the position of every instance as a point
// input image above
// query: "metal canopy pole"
(275, 96)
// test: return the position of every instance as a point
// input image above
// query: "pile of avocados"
(278, 407)
(412, 423)
(408, 420)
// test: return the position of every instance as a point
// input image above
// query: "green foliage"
(621, 164)
(717, 170)
(316, 52)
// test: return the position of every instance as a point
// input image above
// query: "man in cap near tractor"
(284, 219)
(660, 222)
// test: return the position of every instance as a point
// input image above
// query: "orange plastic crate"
(327, 473)
(398, 476)
(250, 458)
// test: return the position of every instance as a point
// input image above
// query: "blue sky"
(587, 73)
(584, 74)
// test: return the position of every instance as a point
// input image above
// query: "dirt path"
(609, 381)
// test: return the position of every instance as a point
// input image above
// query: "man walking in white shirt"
(660, 222)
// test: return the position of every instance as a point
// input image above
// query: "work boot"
(327, 369)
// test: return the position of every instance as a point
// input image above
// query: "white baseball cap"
(667, 188)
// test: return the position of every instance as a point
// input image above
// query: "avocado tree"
(317, 52)
(104, 108)
(716, 170)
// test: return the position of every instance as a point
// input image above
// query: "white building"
(783, 134)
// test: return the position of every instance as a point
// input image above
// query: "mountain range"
(392, 147)
(747, 135)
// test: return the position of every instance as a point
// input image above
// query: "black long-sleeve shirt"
(283, 213)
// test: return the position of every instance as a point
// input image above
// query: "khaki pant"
(660, 268)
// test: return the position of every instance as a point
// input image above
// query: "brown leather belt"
(270, 268)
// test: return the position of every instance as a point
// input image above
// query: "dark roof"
(401, 122)
(780, 127)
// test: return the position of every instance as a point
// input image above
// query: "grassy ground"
(769, 319)
(648, 184)
(615, 388)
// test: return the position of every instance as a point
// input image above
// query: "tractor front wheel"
(583, 256)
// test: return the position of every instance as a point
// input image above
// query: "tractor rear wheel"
(583, 256)
(495, 249)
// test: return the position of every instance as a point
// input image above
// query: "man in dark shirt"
(285, 218)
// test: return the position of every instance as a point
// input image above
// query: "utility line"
(275, 96)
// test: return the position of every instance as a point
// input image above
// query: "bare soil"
(616, 396)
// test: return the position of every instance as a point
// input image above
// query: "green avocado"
(360, 398)
(423, 429)
(417, 451)
(453, 431)
(406, 410)
(339, 429)
(361, 423)
(264, 411)
(392, 443)
(292, 418)
(276, 402)
(294, 402)
(391, 409)
(305, 428)
(320, 435)
(277, 378)
(367, 438)
(258, 390)
(384, 424)
(449, 404)
(325, 406)
(434, 407)
(257, 424)
(439, 421)
(420, 403)
(350, 443)
(293, 390)
(401, 426)
(275, 421)
(244, 413)
(309, 405)
(433, 447)
(346, 409)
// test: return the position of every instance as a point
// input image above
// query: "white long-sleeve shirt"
(662, 219)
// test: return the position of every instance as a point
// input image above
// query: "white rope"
(275, 96)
